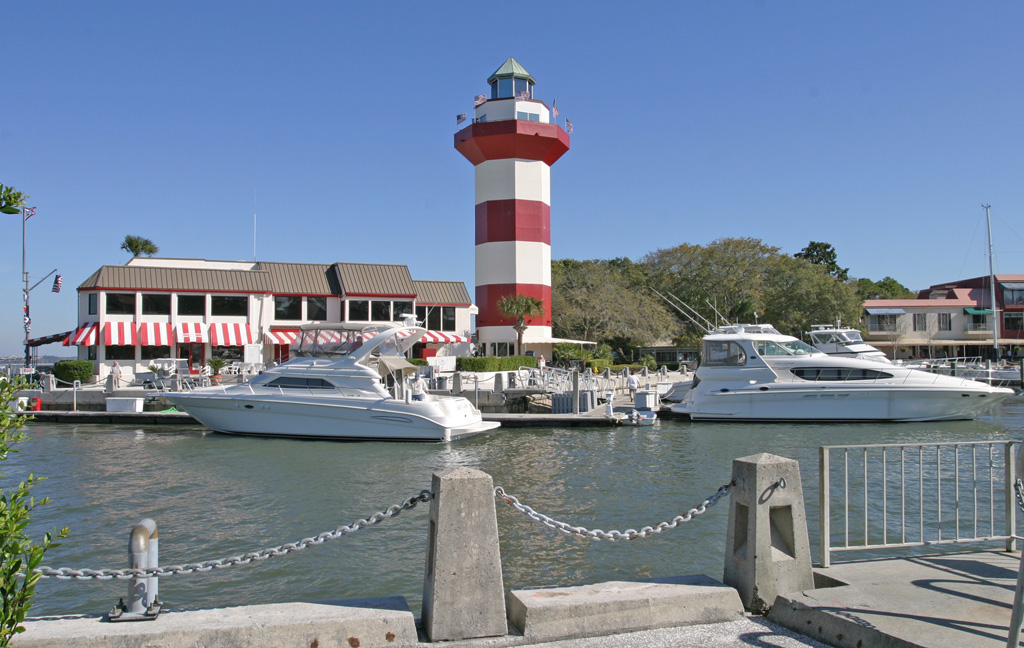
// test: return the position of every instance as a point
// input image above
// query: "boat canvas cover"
(394, 364)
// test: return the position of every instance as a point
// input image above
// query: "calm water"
(216, 496)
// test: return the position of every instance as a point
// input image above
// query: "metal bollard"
(74, 395)
(143, 553)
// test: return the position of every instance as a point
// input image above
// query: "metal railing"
(906, 495)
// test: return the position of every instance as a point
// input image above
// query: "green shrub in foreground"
(19, 556)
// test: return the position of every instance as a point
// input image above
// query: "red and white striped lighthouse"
(512, 142)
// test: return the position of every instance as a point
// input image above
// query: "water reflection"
(215, 496)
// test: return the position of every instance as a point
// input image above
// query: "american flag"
(461, 117)
(568, 126)
(30, 212)
(58, 281)
(479, 99)
(554, 109)
(524, 95)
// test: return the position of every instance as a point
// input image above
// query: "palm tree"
(520, 307)
(138, 245)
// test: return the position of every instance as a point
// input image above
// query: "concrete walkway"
(960, 600)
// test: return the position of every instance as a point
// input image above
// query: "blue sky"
(879, 127)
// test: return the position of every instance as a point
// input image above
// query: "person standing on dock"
(633, 384)
(418, 387)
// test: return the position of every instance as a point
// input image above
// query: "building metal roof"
(511, 68)
(341, 279)
(302, 278)
(375, 279)
(441, 293)
(177, 279)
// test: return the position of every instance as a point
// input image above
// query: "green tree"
(11, 200)
(887, 288)
(799, 294)
(607, 301)
(823, 254)
(520, 307)
(138, 245)
(19, 555)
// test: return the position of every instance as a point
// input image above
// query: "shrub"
(69, 371)
(19, 556)
(419, 362)
(490, 363)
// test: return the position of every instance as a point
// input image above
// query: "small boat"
(334, 388)
(754, 372)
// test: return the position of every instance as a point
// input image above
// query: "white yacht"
(334, 389)
(753, 372)
(843, 341)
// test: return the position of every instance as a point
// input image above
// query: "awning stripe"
(194, 332)
(440, 337)
(86, 335)
(49, 339)
(280, 336)
(228, 334)
(155, 334)
(119, 334)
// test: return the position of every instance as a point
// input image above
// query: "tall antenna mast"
(254, 225)
(992, 287)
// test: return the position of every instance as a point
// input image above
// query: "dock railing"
(884, 496)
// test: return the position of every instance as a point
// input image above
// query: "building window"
(883, 323)
(1013, 297)
(448, 318)
(501, 349)
(920, 321)
(945, 322)
(400, 308)
(525, 116)
(120, 303)
(156, 304)
(229, 306)
(287, 308)
(231, 353)
(380, 311)
(359, 311)
(120, 352)
(1013, 321)
(430, 317)
(94, 303)
(316, 308)
(192, 305)
(155, 352)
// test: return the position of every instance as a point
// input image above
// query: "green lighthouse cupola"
(510, 81)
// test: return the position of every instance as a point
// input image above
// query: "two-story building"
(953, 319)
(153, 309)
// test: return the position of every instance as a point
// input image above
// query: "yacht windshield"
(784, 348)
(851, 336)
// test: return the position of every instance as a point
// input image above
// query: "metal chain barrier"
(65, 573)
(1018, 487)
(628, 534)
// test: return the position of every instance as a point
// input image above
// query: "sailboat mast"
(992, 287)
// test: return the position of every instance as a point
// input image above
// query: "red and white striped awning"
(438, 337)
(280, 336)
(86, 335)
(155, 334)
(119, 334)
(50, 339)
(194, 332)
(224, 334)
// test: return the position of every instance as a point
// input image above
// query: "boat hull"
(840, 404)
(382, 419)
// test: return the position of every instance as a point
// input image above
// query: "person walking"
(632, 384)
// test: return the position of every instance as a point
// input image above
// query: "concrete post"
(499, 383)
(457, 383)
(463, 592)
(575, 392)
(767, 551)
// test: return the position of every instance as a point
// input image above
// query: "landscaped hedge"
(509, 363)
(71, 370)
